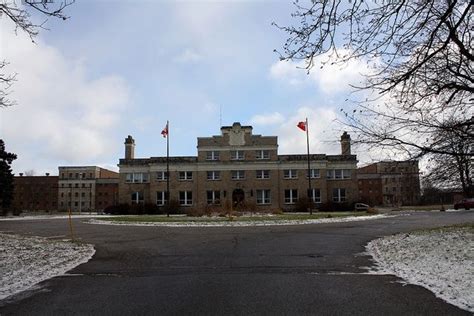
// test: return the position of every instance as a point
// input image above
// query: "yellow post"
(70, 225)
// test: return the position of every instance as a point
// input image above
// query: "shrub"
(119, 209)
(173, 207)
(303, 204)
(201, 210)
(336, 207)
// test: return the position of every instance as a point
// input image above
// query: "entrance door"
(238, 196)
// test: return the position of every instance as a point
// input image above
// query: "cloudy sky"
(119, 68)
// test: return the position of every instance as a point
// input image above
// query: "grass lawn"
(253, 218)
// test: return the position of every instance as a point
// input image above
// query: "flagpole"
(168, 169)
(309, 171)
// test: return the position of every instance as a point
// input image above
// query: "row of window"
(76, 185)
(239, 175)
(83, 194)
(77, 175)
(76, 194)
(262, 196)
(76, 204)
(237, 155)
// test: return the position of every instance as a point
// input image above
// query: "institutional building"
(35, 193)
(390, 183)
(86, 188)
(241, 167)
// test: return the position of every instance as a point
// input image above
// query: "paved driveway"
(281, 270)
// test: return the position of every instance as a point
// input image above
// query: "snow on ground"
(26, 261)
(238, 223)
(440, 260)
(39, 217)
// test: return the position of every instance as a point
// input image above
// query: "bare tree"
(452, 171)
(420, 54)
(20, 15)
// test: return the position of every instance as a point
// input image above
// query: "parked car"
(464, 203)
(361, 207)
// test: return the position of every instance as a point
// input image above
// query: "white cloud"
(267, 119)
(62, 116)
(323, 134)
(330, 77)
(288, 71)
(188, 56)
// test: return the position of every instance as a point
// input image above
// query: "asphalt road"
(282, 270)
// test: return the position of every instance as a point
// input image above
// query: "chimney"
(47, 174)
(345, 144)
(21, 174)
(129, 148)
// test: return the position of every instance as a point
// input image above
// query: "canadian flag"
(164, 132)
(302, 126)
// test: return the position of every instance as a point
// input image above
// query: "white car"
(361, 207)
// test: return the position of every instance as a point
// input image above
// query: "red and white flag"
(302, 126)
(164, 132)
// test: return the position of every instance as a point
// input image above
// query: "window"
(338, 195)
(161, 198)
(161, 175)
(213, 175)
(185, 175)
(76, 194)
(338, 173)
(290, 174)
(262, 154)
(238, 174)
(137, 197)
(237, 155)
(62, 194)
(83, 185)
(212, 155)
(314, 173)
(137, 177)
(291, 196)
(315, 195)
(70, 175)
(214, 197)
(83, 194)
(263, 196)
(76, 185)
(185, 198)
(263, 174)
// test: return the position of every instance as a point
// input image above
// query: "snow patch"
(237, 223)
(440, 260)
(26, 261)
(42, 217)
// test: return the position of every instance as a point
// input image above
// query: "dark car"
(464, 203)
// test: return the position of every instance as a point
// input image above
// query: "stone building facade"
(35, 193)
(390, 183)
(80, 188)
(241, 167)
